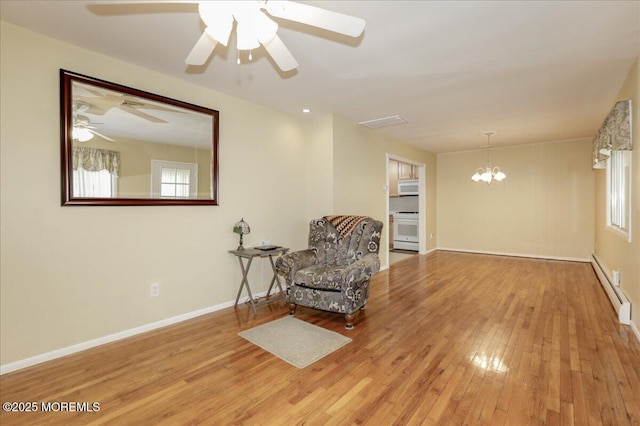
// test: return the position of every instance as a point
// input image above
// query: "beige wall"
(360, 167)
(612, 250)
(543, 208)
(320, 168)
(72, 274)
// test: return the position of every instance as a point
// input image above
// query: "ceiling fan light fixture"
(246, 35)
(254, 28)
(221, 33)
(218, 18)
(264, 27)
(81, 134)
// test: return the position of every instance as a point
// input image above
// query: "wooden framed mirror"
(122, 146)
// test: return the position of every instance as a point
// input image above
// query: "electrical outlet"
(154, 290)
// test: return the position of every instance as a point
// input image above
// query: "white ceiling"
(532, 71)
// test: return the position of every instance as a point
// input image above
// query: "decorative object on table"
(333, 274)
(267, 247)
(488, 173)
(241, 228)
(295, 341)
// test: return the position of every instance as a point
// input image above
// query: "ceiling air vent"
(378, 123)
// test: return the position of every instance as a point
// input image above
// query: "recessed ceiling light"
(306, 110)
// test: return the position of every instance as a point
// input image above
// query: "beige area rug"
(295, 341)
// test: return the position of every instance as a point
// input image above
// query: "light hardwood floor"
(447, 338)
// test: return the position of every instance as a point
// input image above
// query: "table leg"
(275, 279)
(245, 282)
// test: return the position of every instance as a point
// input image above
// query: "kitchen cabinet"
(400, 171)
(407, 171)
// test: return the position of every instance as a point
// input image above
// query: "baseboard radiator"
(617, 297)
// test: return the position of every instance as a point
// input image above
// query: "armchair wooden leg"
(292, 308)
(348, 318)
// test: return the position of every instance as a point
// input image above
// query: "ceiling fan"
(84, 131)
(255, 28)
(99, 103)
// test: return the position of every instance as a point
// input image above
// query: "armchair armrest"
(361, 270)
(288, 264)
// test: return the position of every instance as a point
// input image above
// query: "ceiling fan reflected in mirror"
(255, 28)
(83, 131)
(100, 102)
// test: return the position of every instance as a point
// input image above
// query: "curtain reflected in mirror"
(95, 172)
(122, 146)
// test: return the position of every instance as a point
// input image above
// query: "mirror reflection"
(124, 146)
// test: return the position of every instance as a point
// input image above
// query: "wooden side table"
(250, 254)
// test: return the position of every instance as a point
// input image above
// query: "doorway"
(406, 209)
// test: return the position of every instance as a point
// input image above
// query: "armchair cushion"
(331, 277)
(322, 276)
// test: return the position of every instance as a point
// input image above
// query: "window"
(98, 184)
(619, 193)
(170, 179)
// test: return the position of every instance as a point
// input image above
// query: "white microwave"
(408, 187)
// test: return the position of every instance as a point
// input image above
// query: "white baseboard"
(429, 251)
(58, 353)
(532, 256)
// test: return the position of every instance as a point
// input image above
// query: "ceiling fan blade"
(316, 17)
(280, 54)
(100, 135)
(141, 114)
(140, 103)
(202, 50)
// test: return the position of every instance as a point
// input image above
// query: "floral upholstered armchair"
(333, 273)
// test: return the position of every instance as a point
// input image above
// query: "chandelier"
(487, 174)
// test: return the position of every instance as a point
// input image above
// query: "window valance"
(94, 159)
(614, 134)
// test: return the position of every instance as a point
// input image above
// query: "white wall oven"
(406, 231)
